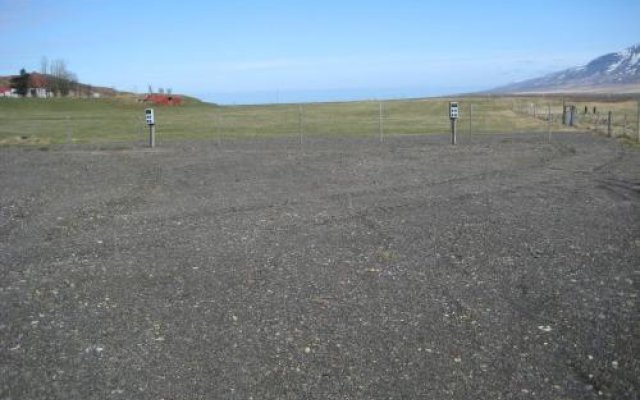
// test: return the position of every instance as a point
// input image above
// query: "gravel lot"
(501, 268)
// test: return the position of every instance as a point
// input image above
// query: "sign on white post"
(149, 116)
(453, 116)
(453, 109)
(151, 121)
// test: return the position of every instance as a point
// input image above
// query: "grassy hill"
(120, 119)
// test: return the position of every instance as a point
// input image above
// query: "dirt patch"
(24, 140)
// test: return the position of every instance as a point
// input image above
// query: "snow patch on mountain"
(610, 69)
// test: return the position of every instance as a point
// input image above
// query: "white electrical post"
(453, 116)
(151, 121)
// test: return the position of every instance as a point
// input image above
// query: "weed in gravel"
(386, 255)
(629, 142)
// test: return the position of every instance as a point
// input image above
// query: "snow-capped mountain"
(610, 71)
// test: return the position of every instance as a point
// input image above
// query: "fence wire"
(108, 123)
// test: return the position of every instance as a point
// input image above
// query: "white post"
(152, 136)
(453, 131)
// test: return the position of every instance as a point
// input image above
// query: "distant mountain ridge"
(613, 72)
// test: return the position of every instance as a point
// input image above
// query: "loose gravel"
(504, 267)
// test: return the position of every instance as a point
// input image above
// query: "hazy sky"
(267, 51)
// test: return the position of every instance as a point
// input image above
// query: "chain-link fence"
(611, 118)
(103, 123)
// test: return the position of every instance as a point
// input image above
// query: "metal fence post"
(69, 131)
(549, 123)
(142, 127)
(470, 118)
(638, 123)
(300, 124)
(609, 124)
(381, 125)
(218, 131)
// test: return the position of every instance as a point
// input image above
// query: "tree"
(21, 83)
(62, 80)
(44, 65)
(44, 70)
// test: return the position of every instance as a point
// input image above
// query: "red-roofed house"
(37, 85)
(6, 92)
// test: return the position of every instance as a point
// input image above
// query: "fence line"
(375, 119)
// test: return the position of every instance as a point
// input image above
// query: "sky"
(240, 52)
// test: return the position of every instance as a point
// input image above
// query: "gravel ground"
(501, 268)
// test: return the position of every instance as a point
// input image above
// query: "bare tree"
(44, 70)
(44, 65)
(62, 79)
(58, 68)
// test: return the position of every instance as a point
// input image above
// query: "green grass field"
(53, 121)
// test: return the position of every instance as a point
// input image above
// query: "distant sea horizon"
(327, 95)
